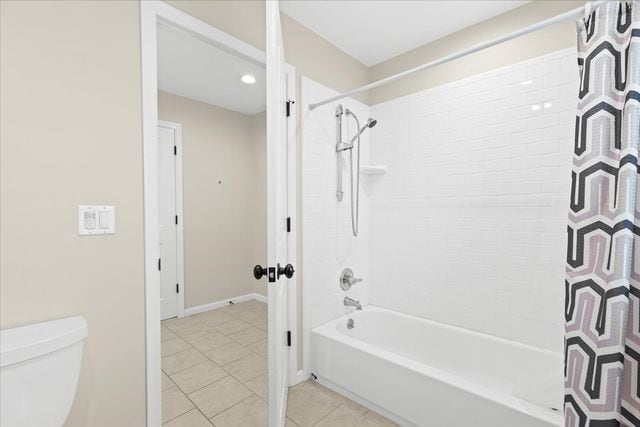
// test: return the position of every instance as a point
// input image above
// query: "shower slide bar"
(480, 46)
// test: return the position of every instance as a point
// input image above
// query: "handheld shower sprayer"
(343, 146)
(368, 125)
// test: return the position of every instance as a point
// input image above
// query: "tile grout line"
(236, 404)
(190, 409)
(220, 366)
(189, 367)
(179, 351)
(202, 322)
(194, 404)
(253, 378)
(341, 405)
(208, 359)
(206, 385)
(228, 374)
(330, 412)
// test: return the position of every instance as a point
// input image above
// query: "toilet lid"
(26, 342)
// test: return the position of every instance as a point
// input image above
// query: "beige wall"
(550, 39)
(224, 173)
(259, 199)
(71, 135)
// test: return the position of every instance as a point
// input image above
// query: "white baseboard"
(259, 297)
(224, 303)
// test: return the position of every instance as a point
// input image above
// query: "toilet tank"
(39, 371)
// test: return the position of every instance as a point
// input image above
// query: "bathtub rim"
(330, 330)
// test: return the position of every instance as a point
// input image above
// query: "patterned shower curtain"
(602, 301)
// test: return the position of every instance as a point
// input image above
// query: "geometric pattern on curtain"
(602, 286)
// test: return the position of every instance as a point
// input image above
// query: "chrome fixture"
(369, 124)
(350, 302)
(347, 279)
(350, 324)
(339, 144)
(343, 146)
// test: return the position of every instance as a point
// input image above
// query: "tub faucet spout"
(350, 302)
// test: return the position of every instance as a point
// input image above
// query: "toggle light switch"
(96, 220)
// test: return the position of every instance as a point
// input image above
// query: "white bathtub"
(427, 373)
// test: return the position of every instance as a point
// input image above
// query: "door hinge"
(159, 264)
(177, 288)
(288, 224)
(288, 338)
(289, 104)
(175, 150)
(176, 219)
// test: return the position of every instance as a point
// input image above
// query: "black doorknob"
(259, 271)
(287, 271)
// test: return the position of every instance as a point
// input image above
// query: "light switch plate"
(94, 220)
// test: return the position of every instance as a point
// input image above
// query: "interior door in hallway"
(169, 286)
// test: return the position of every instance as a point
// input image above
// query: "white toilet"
(39, 371)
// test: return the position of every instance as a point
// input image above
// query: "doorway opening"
(207, 221)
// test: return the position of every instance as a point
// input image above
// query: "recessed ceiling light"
(248, 79)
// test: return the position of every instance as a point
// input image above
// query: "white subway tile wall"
(328, 245)
(468, 226)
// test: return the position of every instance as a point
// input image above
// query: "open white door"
(277, 251)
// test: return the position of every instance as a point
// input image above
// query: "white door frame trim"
(153, 12)
(177, 129)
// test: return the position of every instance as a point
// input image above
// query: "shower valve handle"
(347, 279)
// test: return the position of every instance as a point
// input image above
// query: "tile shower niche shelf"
(373, 170)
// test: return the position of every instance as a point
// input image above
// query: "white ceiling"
(374, 31)
(192, 68)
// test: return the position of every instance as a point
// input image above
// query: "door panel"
(277, 213)
(168, 230)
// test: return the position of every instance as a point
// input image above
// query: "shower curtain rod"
(481, 46)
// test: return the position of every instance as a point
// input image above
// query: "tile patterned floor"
(214, 373)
